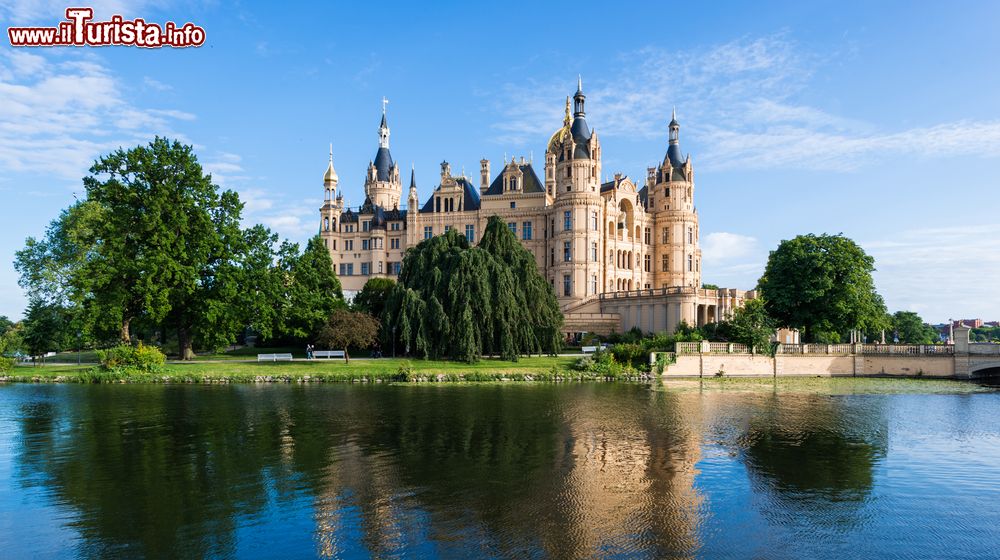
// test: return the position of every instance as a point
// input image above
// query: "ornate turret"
(382, 184)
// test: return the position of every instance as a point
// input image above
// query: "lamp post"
(79, 348)
(394, 341)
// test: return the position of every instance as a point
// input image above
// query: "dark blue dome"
(674, 155)
(383, 164)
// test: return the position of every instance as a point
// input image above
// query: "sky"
(878, 120)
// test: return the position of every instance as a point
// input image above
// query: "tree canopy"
(348, 329)
(463, 302)
(155, 243)
(911, 329)
(372, 297)
(823, 285)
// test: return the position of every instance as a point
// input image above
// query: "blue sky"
(877, 120)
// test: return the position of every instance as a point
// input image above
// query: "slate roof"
(383, 164)
(470, 202)
(380, 216)
(531, 182)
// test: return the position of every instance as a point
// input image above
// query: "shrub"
(404, 373)
(6, 364)
(135, 358)
(630, 353)
(584, 363)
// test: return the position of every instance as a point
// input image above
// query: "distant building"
(616, 255)
(971, 323)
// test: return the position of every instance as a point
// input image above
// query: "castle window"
(366, 268)
(690, 263)
(697, 265)
(666, 192)
(334, 244)
(513, 227)
(349, 245)
(552, 256)
(350, 269)
(526, 231)
(665, 264)
(326, 224)
(447, 229)
(666, 235)
(470, 233)
(513, 204)
(593, 284)
(647, 235)
(343, 269)
(593, 221)
(569, 171)
(366, 225)
(567, 220)
(647, 263)
(593, 251)
(366, 244)
(394, 243)
(394, 268)
(566, 251)
(380, 267)
(690, 234)
(428, 232)
(566, 285)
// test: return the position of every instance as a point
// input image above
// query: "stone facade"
(617, 256)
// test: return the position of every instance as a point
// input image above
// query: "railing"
(688, 348)
(825, 349)
(678, 290)
(984, 348)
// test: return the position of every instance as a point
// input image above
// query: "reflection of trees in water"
(815, 454)
(560, 471)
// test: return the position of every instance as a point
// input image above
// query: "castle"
(617, 256)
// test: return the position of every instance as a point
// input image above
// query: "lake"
(838, 468)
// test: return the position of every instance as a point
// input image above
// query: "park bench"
(274, 357)
(328, 354)
(588, 349)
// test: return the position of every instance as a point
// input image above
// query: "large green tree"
(463, 302)
(46, 328)
(823, 285)
(372, 297)
(166, 242)
(156, 245)
(312, 289)
(751, 325)
(911, 329)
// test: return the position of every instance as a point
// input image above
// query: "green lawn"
(386, 369)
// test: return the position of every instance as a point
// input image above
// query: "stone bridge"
(961, 360)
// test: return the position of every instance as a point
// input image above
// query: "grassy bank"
(382, 370)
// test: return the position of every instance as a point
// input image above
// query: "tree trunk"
(126, 335)
(184, 344)
(347, 357)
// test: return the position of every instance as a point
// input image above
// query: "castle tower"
(333, 205)
(382, 184)
(572, 176)
(677, 261)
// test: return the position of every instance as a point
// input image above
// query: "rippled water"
(511, 471)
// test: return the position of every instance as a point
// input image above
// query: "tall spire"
(330, 176)
(578, 99)
(413, 177)
(567, 119)
(383, 128)
(675, 128)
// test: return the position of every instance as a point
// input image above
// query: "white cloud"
(741, 94)
(721, 247)
(941, 272)
(61, 111)
(731, 260)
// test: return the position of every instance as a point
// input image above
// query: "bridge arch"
(985, 369)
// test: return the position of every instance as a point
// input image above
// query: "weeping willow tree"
(462, 302)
